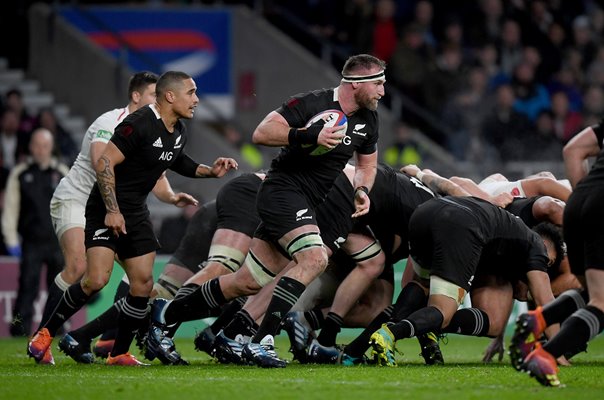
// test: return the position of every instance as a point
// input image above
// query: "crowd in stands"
(513, 80)
(16, 127)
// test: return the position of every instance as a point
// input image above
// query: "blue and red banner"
(197, 42)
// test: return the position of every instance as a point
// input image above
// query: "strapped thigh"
(440, 286)
(228, 257)
(259, 272)
(304, 241)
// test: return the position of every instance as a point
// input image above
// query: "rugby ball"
(331, 118)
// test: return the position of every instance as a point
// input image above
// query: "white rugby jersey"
(81, 177)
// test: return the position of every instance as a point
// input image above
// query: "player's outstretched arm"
(221, 166)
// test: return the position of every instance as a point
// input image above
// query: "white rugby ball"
(331, 118)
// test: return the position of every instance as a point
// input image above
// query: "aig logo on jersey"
(166, 156)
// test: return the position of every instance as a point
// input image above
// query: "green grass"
(463, 377)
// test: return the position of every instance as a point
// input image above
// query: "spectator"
(14, 101)
(485, 24)
(65, 147)
(356, 30)
(405, 149)
(531, 96)
(486, 57)
(544, 145)
(27, 228)
(423, 17)
(564, 81)
(466, 111)
(566, 122)
(444, 78)
(593, 105)
(13, 142)
(510, 47)
(583, 40)
(504, 128)
(248, 152)
(385, 34)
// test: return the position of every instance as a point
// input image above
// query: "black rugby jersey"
(596, 174)
(511, 249)
(316, 173)
(522, 207)
(394, 197)
(149, 150)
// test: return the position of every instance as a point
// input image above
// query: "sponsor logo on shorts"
(339, 242)
(98, 233)
(300, 214)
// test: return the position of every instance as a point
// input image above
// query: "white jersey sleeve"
(81, 177)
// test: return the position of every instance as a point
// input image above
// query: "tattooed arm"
(105, 178)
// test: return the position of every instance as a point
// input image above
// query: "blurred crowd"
(510, 80)
(16, 127)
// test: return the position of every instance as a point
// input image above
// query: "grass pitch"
(463, 377)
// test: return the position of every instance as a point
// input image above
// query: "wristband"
(362, 189)
(310, 135)
(420, 175)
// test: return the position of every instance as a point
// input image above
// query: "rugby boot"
(529, 328)
(262, 354)
(124, 360)
(102, 348)
(319, 354)
(159, 345)
(300, 335)
(430, 349)
(542, 366)
(382, 343)
(204, 341)
(80, 352)
(227, 350)
(39, 344)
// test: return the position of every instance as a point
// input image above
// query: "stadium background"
(79, 54)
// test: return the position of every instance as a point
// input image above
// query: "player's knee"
(141, 286)
(74, 270)
(94, 283)
(313, 260)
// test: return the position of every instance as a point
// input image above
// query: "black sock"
(469, 322)
(228, 314)
(564, 305)
(197, 304)
(106, 322)
(331, 328)
(286, 294)
(411, 299)
(427, 319)
(241, 323)
(133, 314)
(120, 293)
(315, 318)
(584, 325)
(55, 293)
(360, 344)
(73, 299)
(182, 292)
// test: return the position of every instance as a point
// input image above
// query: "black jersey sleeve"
(370, 145)
(185, 166)
(127, 138)
(295, 111)
(599, 131)
(537, 256)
